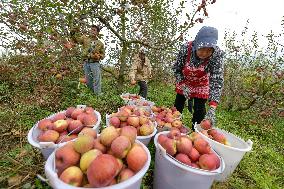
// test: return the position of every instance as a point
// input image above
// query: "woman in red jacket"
(199, 71)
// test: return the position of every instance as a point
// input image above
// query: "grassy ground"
(25, 100)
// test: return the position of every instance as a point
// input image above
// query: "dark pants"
(143, 89)
(197, 104)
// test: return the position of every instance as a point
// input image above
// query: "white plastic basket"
(47, 148)
(132, 183)
(127, 100)
(169, 173)
(140, 102)
(144, 139)
(232, 155)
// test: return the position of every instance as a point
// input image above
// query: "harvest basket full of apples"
(137, 118)
(62, 127)
(113, 159)
(128, 97)
(188, 155)
(231, 147)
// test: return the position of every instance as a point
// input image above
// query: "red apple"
(133, 121)
(108, 135)
(130, 132)
(183, 158)
(65, 138)
(124, 175)
(102, 170)
(72, 175)
(207, 162)
(76, 112)
(99, 146)
(58, 116)
(88, 131)
(136, 158)
(69, 111)
(184, 145)
(90, 120)
(114, 121)
(174, 133)
(170, 146)
(45, 124)
(194, 155)
(202, 146)
(48, 136)
(75, 126)
(60, 125)
(120, 146)
(66, 156)
(205, 124)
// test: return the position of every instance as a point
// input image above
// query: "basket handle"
(45, 180)
(250, 143)
(81, 106)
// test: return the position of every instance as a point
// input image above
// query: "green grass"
(261, 168)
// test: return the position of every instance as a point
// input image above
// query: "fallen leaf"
(22, 153)
(15, 180)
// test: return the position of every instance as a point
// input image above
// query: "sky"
(263, 16)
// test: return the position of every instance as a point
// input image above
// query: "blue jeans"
(93, 75)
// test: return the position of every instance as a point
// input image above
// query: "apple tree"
(42, 28)
(253, 75)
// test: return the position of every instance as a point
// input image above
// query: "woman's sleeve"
(216, 79)
(180, 62)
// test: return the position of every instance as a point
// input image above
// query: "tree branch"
(102, 20)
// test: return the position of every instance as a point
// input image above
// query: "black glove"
(211, 116)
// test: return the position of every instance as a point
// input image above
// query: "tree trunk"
(122, 66)
(123, 54)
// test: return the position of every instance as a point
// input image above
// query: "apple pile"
(190, 150)
(214, 134)
(128, 96)
(100, 161)
(142, 102)
(65, 126)
(168, 118)
(137, 117)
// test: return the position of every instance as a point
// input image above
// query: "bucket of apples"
(114, 159)
(62, 127)
(231, 147)
(168, 118)
(138, 118)
(130, 98)
(186, 161)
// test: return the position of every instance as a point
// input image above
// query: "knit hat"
(206, 37)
